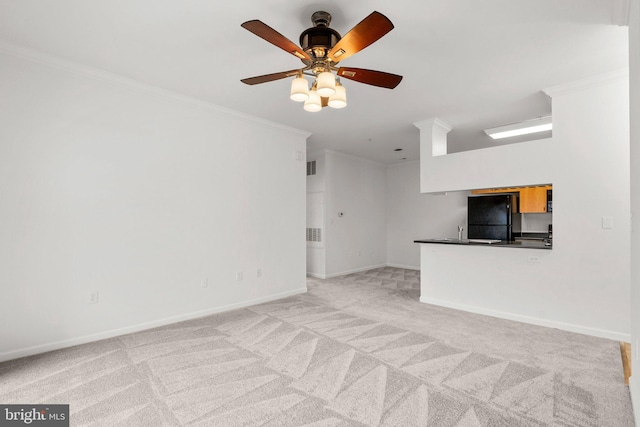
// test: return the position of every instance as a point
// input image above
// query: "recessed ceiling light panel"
(523, 128)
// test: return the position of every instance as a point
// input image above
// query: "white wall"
(357, 188)
(634, 75)
(412, 215)
(317, 183)
(583, 282)
(139, 194)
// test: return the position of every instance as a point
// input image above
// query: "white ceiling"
(473, 64)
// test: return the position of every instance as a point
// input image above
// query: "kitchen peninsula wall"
(583, 283)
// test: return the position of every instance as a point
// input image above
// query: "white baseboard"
(634, 390)
(355, 270)
(43, 348)
(358, 270)
(602, 333)
(406, 267)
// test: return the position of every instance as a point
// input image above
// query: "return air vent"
(314, 234)
(311, 168)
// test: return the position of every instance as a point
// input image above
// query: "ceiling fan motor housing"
(319, 39)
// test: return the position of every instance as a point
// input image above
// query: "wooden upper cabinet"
(532, 199)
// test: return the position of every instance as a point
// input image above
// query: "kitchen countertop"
(520, 243)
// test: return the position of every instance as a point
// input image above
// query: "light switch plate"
(607, 222)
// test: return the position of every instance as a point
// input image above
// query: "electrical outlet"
(239, 275)
(204, 282)
(534, 259)
(92, 297)
(259, 272)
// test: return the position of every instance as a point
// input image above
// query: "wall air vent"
(314, 234)
(311, 168)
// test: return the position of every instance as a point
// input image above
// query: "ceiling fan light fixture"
(326, 84)
(339, 98)
(339, 53)
(299, 89)
(314, 103)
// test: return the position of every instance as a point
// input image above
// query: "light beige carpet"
(357, 350)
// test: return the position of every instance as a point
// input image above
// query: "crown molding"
(149, 90)
(599, 80)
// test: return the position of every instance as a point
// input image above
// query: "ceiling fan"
(322, 48)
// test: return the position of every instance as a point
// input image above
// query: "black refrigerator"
(490, 217)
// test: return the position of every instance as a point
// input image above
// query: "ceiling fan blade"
(269, 77)
(370, 77)
(264, 31)
(369, 30)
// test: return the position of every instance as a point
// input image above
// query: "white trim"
(358, 270)
(43, 348)
(602, 333)
(588, 82)
(406, 267)
(134, 85)
(634, 390)
(355, 270)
